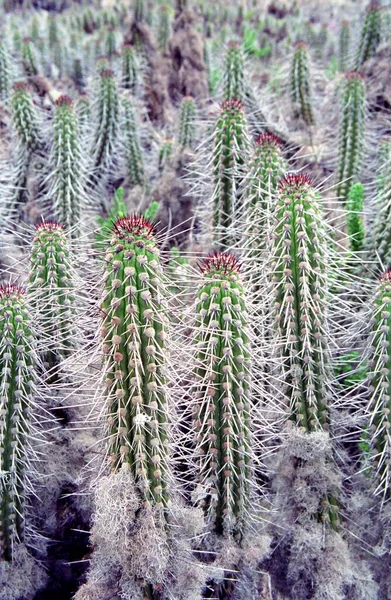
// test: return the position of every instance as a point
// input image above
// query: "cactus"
(134, 156)
(380, 236)
(5, 73)
(299, 274)
(221, 393)
(233, 74)
(18, 364)
(164, 28)
(67, 179)
(51, 295)
(133, 332)
(106, 135)
(344, 45)
(355, 219)
(186, 128)
(165, 153)
(78, 73)
(83, 114)
(228, 159)
(111, 43)
(300, 84)
(370, 34)
(351, 132)
(29, 58)
(129, 69)
(379, 407)
(139, 11)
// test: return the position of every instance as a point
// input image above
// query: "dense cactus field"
(195, 292)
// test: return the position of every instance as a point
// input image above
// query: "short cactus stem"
(351, 132)
(106, 135)
(380, 236)
(355, 217)
(164, 28)
(29, 58)
(18, 366)
(221, 391)
(186, 129)
(133, 336)
(370, 34)
(5, 73)
(51, 293)
(111, 43)
(139, 11)
(130, 68)
(379, 407)
(24, 117)
(234, 73)
(299, 275)
(134, 156)
(344, 45)
(83, 114)
(165, 153)
(229, 159)
(300, 84)
(66, 182)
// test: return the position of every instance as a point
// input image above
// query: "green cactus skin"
(106, 135)
(83, 114)
(186, 129)
(130, 77)
(370, 35)
(229, 159)
(78, 73)
(300, 281)
(29, 58)
(59, 58)
(139, 11)
(300, 84)
(24, 117)
(111, 43)
(380, 236)
(164, 29)
(134, 155)
(133, 332)
(53, 33)
(5, 73)
(66, 182)
(351, 133)
(234, 75)
(355, 218)
(165, 153)
(344, 45)
(379, 407)
(51, 293)
(221, 392)
(18, 364)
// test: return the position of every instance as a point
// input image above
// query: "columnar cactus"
(51, 294)
(221, 393)
(186, 128)
(164, 28)
(380, 235)
(344, 45)
(5, 73)
(83, 114)
(300, 84)
(234, 73)
(355, 217)
(134, 155)
(351, 132)
(130, 69)
(165, 153)
(29, 58)
(299, 274)
(106, 135)
(229, 160)
(18, 366)
(370, 34)
(133, 334)
(67, 179)
(139, 11)
(379, 407)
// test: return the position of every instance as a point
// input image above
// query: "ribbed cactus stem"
(83, 114)
(370, 34)
(351, 132)
(234, 73)
(380, 238)
(29, 57)
(229, 159)
(165, 153)
(139, 11)
(134, 155)
(66, 188)
(164, 28)
(300, 84)
(106, 135)
(5, 73)
(344, 45)
(222, 409)
(186, 129)
(111, 43)
(299, 275)
(51, 292)
(24, 117)
(130, 68)
(355, 217)
(18, 366)
(133, 333)
(379, 407)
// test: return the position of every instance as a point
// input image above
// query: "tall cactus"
(344, 45)
(380, 235)
(234, 73)
(18, 365)
(351, 132)
(130, 68)
(221, 393)
(133, 333)
(229, 159)
(370, 34)
(134, 155)
(29, 58)
(186, 128)
(164, 28)
(379, 407)
(300, 84)
(5, 73)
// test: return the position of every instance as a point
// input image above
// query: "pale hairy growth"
(22, 578)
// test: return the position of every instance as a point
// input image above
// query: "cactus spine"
(222, 396)
(5, 73)
(370, 35)
(129, 69)
(344, 45)
(186, 129)
(300, 82)
(380, 238)
(234, 75)
(229, 158)
(18, 364)
(134, 156)
(164, 28)
(133, 332)
(106, 135)
(351, 133)
(379, 408)
(29, 57)
(355, 219)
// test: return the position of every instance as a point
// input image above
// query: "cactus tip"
(64, 101)
(386, 276)
(264, 139)
(49, 226)
(296, 181)
(234, 104)
(107, 73)
(9, 289)
(224, 264)
(134, 224)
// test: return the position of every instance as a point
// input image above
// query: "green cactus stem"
(234, 73)
(351, 132)
(380, 236)
(18, 365)
(130, 68)
(29, 59)
(186, 128)
(344, 45)
(133, 334)
(164, 28)
(106, 135)
(370, 34)
(165, 153)
(300, 84)
(134, 155)
(355, 217)
(5, 73)
(221, 394)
